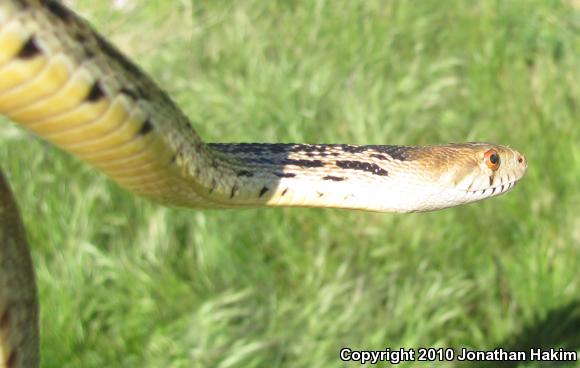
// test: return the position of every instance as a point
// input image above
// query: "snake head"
(482, 170)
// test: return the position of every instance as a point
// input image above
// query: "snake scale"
(62, 81)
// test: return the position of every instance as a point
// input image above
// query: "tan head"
(473, 171)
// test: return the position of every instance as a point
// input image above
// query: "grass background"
(126, 283)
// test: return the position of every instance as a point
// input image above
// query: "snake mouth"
(505, 187)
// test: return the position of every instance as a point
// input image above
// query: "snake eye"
(492, 159)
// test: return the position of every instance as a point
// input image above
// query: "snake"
(65, 83)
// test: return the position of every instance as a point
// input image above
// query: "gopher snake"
(65, 83)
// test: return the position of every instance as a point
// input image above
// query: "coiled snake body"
(62, 81)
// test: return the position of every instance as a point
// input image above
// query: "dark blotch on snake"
(83, 39)
(11, 362)
(307, 148)
(362, 166)
(80, 37)
(263, 191)
(284, 192)
(58, 9)
(349, 148)
(96, 92)
(302, 163)
(284, 175)
(233, 192)
(245, 173)
(379, 156)
(29, 50)
(129, 92)
(5, 318)
(401, 153)
(333, 178)
(146, 127)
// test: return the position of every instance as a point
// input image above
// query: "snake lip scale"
(62, 81)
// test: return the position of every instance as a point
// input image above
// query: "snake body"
(62, 81)
(18, 298)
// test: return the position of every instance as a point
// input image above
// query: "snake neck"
(258, 174)
(64, 82)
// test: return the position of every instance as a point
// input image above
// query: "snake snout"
(519, 165)
(522, 161)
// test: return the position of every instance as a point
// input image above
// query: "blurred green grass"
(126, 283)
